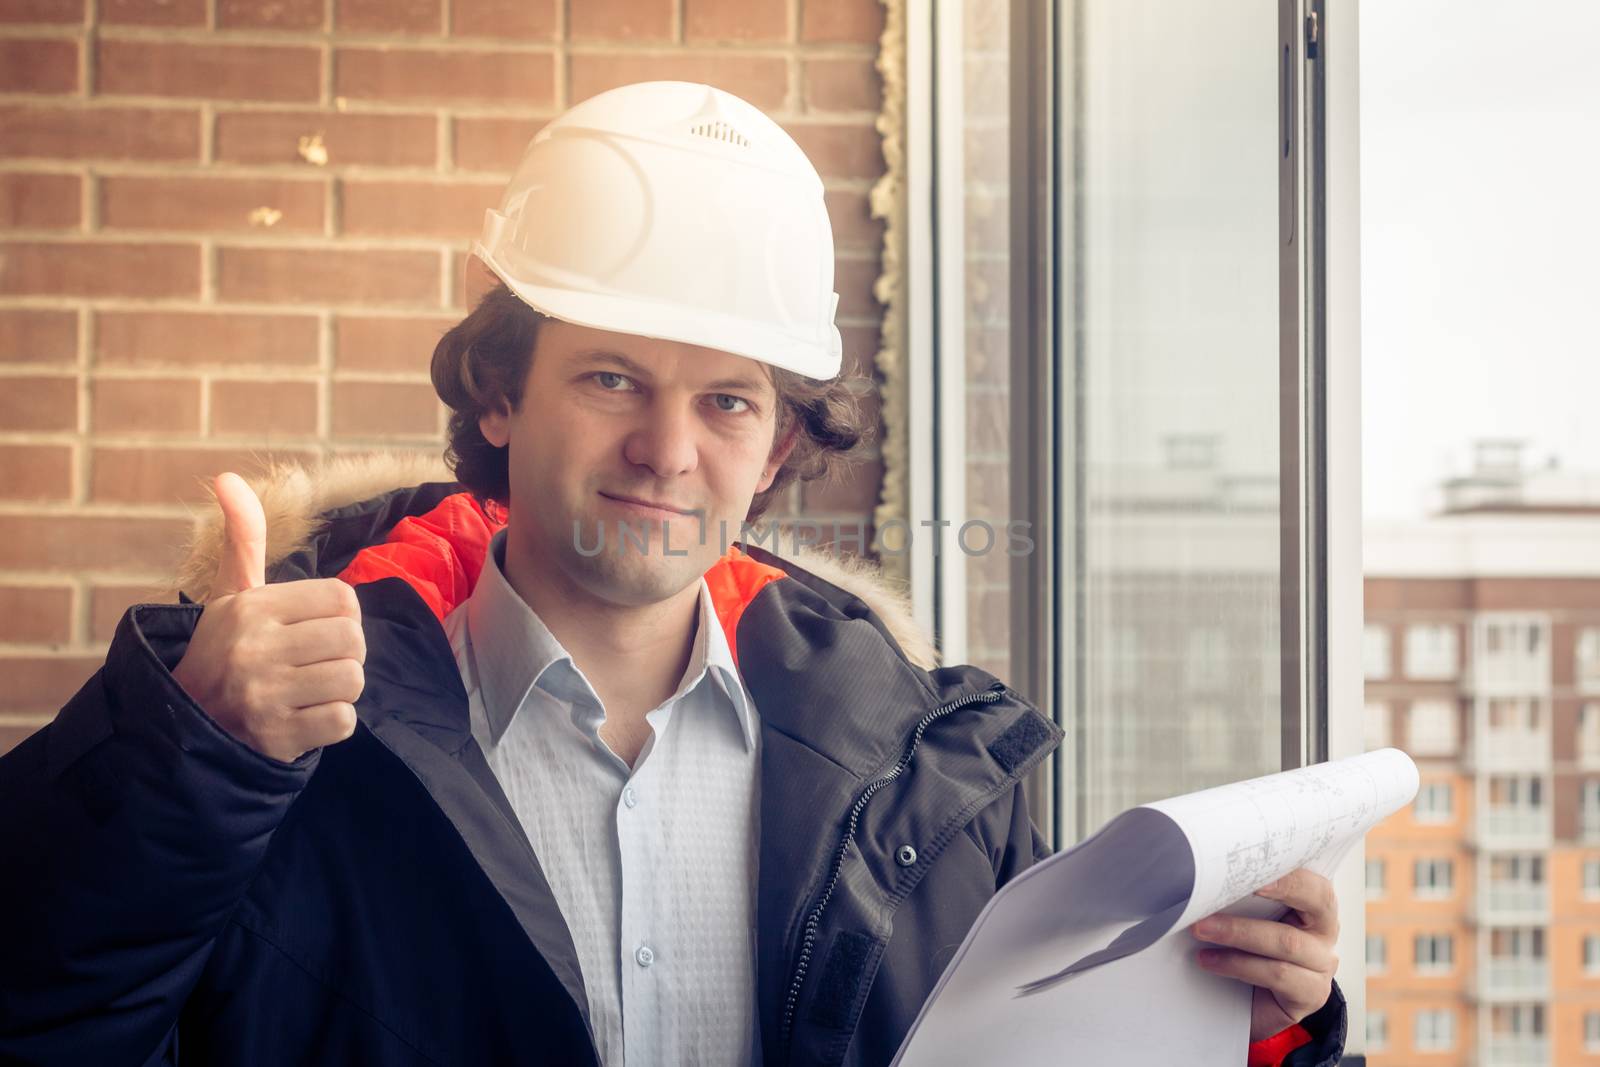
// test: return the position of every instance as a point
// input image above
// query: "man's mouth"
(651, 505)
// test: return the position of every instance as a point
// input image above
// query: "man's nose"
(666, 440)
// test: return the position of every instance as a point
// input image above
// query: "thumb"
(243, 560)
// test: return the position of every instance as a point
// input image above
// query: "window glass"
(1431, 728)
(1431, 651)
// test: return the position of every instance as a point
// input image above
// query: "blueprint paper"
(1086, 956)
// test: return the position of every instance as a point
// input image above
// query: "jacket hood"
(300, 502)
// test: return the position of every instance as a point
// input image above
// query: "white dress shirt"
(653, 867)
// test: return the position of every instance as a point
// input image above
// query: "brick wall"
(234, 229)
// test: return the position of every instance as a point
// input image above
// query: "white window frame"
(1591, 1031)
(1432, 651)
(1376, 729)
(1591, 954)
(1376, 892)
(1589, 879)
(1433, 728)
(1377, 652)
(1433, 878)
(1377, 1031)
(1429, 813)
(1377, 961)
(1438, 1033)
(1586, 660)
(1428, 964)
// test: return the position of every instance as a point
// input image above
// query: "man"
(477, 777)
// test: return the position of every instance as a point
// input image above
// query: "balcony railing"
(1503, 1051)
(1522, 828)
(1514, 979)
(1509, 750)
(1512, 903)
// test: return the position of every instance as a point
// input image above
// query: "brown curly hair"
(485, 357)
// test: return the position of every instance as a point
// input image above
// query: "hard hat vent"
(720, 131)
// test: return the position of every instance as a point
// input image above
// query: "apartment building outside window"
(1377, 1031)
(1377, 954)
(1434, 803)
(1432, 652)
(1589, 809)
(1375, 878)
(1586, 669)
(1591, 954)
(1433, 953)
(1432, 728)
(1375, 726)
(1591, 1031)
(1591, 879)
(1432, 879)
(1375, 652)
(1435, 1030)
(1589, 733)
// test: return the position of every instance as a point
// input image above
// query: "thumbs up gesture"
(278, 666)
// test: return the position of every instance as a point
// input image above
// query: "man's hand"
(1290, 961)
(278, 666)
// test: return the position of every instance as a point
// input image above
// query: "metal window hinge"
(1312, 34)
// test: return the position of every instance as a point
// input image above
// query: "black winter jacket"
(171, 896)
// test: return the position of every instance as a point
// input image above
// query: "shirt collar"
(514, 651)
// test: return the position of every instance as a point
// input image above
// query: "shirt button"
(629, 797)
(644, 955)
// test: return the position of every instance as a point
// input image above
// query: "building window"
(1433, 953)
(1591, 953)
(1516, 791)
(1432, 651)
(1591, 878)
(1517, 1020)
(1374, 879)
(1435, 1030)
(1431, 728)
(1586, 671)
(1589, 732)
(1376, 725)
(1433, 803)
(1378, 1030)
(1432, 879)
(1589, 810)
(1375, 652)
(1525, 944)
(1377, 954)
(1591, 1031)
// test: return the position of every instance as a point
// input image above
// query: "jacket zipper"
(814, 920)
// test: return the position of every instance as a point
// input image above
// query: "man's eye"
(611, 381)
(726, 402)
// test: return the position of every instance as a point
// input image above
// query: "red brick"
(146, 338)
(38, 404)
(43, 683)
(853, 280)
(41, 11)
(854, 228)
(172, 203)
(493, 143)
(40, 201)
(402, 345)
(35, 335)
(90, 542)
(517, 78)
(250, 407)
(369, 140)
(99, 268)
(109, 603)
(522, 19)
(838, 21)
(153, 12)
(61, 133)
(846, 150)
(36, 614)
(211, 70)
(416, 209)
(271, 14)
(842, 85)
(328, 275)
(388, 16)
(379, 409)
(620, 20)
(170, 475)
(735, 20)
(38, 65)
(762, 80)
(35, 472)
(144, 405)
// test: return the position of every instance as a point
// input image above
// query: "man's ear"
(780, 453)
(495, 425)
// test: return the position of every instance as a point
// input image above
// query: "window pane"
(1174, 259)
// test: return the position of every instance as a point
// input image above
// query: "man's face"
(611, 424)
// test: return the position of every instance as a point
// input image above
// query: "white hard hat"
(673, 210)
